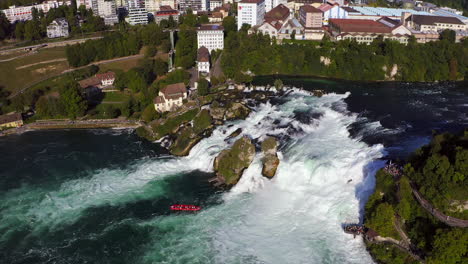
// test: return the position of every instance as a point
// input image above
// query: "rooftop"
(360, 25)
(310, 9)
(4, 119)
(211, 27)
(251, 1)
(106, 75)
(432, 20)
(203, 55)
(174, 91)
(280, 12)
(383, 11)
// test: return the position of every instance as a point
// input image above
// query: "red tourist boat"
(185, 207)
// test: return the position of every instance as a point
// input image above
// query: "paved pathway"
(451, 221)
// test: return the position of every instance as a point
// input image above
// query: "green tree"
(19, 30)
(160, 67)
(229, 25)
(151, 51)
(110, 111)
(382, 220)
(450, 247)
(203, 87)
(4, 26)
(73, 100)
(150, 113)
(448, 35)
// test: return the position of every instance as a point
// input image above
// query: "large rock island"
(270, 158)
(230, 163)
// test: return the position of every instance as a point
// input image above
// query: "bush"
(203, 87)
(149, 114)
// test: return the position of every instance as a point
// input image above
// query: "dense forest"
(438, 171)
(117, 44)
(435, 61)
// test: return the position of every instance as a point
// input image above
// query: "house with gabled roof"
(170, 97)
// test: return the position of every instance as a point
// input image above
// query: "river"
(103, 196)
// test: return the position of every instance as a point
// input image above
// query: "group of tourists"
(355, 229)
(393, 169)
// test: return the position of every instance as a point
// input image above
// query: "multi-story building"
(273, 21)
(310, 17)
(58, 28)
(203, 60)
(215, 3)
(296, 4)
(164, 13)
(366, 31)
(106, 8)
(332, 11)
(427, 24)
(250, 12)
(270, 4)
(194, 5)
(137, 13)
(171, 3)
(137, 16)
(170, 97)
(210, 36)
(23, 13)
(108, 11)
(152, 5)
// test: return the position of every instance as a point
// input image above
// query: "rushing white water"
(294, 218)
(297, 216)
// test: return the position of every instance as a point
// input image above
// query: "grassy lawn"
(15, 79)
(124, 65)
(115, 97)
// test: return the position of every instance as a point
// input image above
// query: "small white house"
(106, 79)
(203, 60)
(170, 97)
(58, 28)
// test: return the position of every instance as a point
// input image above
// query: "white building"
(250, 12)
(332, 11)
(137, 13)
(170, 97)
(215, 3)
(210, 36)
(106, 8)
(106, 78)
(270, 4)
(203, 60)
(22, 13)
(152, 5)
(58, 28)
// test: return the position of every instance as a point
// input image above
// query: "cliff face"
(230, 163)
(270, 158)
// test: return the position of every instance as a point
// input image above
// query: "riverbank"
(73, 124)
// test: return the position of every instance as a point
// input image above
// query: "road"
(451, 221)
(74, 69)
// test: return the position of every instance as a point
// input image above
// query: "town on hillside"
(150, 57)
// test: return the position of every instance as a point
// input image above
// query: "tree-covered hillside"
(438, 172)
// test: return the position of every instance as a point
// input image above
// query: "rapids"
(117, 211)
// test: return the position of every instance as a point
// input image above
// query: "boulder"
(270, 158)
(237, 111)
(234, 134)
(230, 163)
